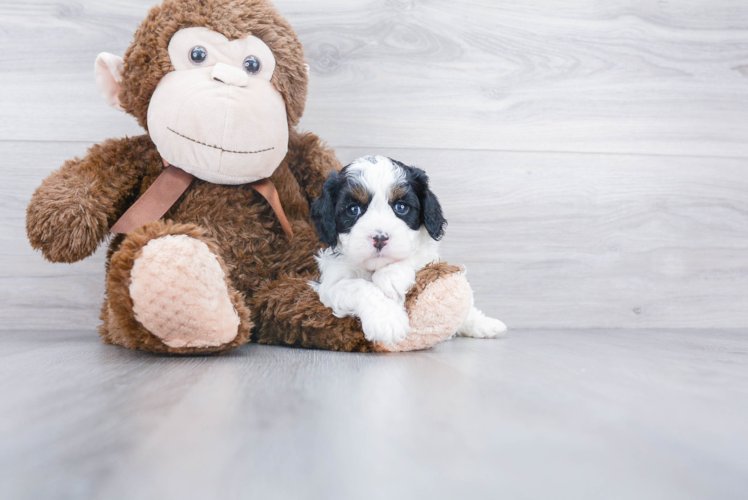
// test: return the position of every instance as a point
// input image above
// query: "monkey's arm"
(71, 212)
(310, 161)
(288, 311)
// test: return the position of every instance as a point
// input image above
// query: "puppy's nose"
(380, 241)
(230, 75)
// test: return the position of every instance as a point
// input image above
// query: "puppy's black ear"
(431, 211)
(323, 211)
(433, 218)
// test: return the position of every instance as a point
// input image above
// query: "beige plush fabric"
(179, 294)
(243, 136)
(437, 314)
(147, 60)
(266, 274)
(108, 73)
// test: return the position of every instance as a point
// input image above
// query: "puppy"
(381, 223)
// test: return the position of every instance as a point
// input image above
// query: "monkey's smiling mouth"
(218, 147)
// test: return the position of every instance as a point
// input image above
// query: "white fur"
(403, 242)
(479, 326)
(357, 280)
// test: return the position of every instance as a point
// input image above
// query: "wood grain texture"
(541, 414)
(627, 76)
(591, 159)
(549, 240)
(589, 241)
(32, 291)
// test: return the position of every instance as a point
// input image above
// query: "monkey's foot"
(437, 306)
(180, 294)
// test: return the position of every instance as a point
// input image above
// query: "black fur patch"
(429, 210)
(344, 218)
(413, 202)
(333, 213)
(323, 210)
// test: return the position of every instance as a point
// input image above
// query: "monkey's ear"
(108, 72)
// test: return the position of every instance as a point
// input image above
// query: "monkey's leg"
(168, 291)
(288, 312)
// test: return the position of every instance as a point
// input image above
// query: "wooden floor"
(644, 414)
(592, 160)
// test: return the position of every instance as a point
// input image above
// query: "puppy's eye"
(198, 55)
(402, 208)
(252, 65)
(354, 210)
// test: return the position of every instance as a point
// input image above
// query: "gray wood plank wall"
(592, 156)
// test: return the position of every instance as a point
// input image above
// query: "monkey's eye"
(402, 208)
(198, 55)
(354, 210)
(252, 65)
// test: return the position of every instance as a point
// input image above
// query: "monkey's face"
(217, 115)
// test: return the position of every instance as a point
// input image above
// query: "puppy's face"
(376, 211)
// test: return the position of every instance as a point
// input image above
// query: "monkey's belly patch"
(180, 295)
(218, 147)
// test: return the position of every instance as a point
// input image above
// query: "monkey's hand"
(70, 213)
(395, 281)
(64, 220)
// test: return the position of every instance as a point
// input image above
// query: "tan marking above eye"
(397, 192)
(361, 194)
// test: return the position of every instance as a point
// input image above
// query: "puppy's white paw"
(395, 281)
(484, 327)
(390, 327)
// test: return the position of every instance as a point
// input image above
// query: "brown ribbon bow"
(170, 185)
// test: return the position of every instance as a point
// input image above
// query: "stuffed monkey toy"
(207, 215)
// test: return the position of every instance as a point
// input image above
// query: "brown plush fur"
(119, 324)
(305, 321)
(426, 276)
(147, 59)
(70, 214)
(288, 312)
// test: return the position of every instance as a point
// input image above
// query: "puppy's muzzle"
(380, 241)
